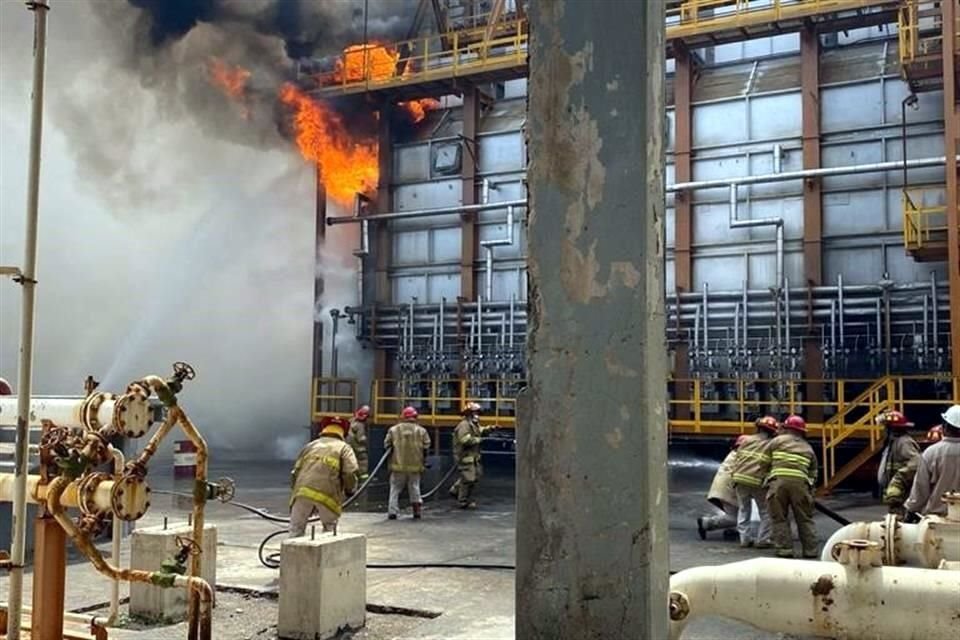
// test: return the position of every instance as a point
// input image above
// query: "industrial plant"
(480, 319)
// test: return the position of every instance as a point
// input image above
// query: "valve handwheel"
(226, 489)
(183, 371)
(189, 544)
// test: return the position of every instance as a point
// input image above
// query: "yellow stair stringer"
(878, 398)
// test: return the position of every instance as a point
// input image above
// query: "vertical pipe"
(435, 333)
(511, 320)
(887, 325)
(696, 331)
(777, 158)
(926, 322)
(334, 349)
(25, 367)
(879, 328)
(736, 331)
(840, 309)
(410, 330)
(935, 310)
(480, 324)
(833, 327)
(746, 317)
(503, 329)
(489, 269)
(786, 304)
(706, 317)
(443, 320)
(779, 274)
(733, 203)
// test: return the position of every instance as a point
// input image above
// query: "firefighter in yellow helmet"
(357, 439)
(899, 463)
(323, 476)
(408, 443)
(793, 474)
(466, 449)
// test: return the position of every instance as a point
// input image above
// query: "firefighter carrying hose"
(793, 474)
(466, 449)
(899, 463)
(323, 476)
(408, 442)
(750, 469)
(357, 439)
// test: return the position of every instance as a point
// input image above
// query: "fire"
(418, 108)
(366, 62)
(229, 79)
(348, 166)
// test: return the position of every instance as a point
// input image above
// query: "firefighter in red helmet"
(793, 475)
(750, 469)
(357, 438)
(899, 463)
(408, 443)
(323, 476)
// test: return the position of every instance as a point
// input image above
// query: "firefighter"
(723, 496)
(938, 471)
(357, 438)
(793, 474)
(408, 442)
(324, 475)
(466, 449)
(899, 463)
(750, 470)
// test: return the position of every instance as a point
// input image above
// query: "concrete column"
(592, 486)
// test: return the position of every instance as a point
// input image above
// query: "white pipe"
(28, 280)
(510, 344)
(935, 310)
(840, 308)
(820, 599)
(489, 272)
(116, 536)
(480, 324)
(786, 317)
(497, 242)
(777, 158)
(706, 318)
(443, 320)
(925, 544)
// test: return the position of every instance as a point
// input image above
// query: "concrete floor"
(441, 603)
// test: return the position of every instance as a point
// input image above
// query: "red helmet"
(796, 423)
(362, 413)
(5, 388)
(895, 420)
(409, 413)
(740, 440)
(334, 425)
(767, 422)
(471, 407)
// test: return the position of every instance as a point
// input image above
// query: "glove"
(912, 517)
(893, 496)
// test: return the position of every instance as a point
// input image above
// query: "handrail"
(918, 227)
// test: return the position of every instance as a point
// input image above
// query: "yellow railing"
(434, 57)
(920, 31)
(695, 17)
(923, 222)
(440, 401)
(333, 397)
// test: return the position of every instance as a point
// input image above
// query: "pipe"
(497, 242)
(480, 324)
(806, 173)
(786, 304)
(410, 326)
(489, 272)
(28, 280)
(736, 331)
(935, 310)
(828, 599)
(696, 331)
(116, 536)
(840, 309)
(510, 343)
(925, 544)
(442, 323)
(833, 326)
(434, 334)
(435, 211)
(777, 158)
(706, 318)
(746, 320)
(926, 321)
(334, 349)
(879, 331)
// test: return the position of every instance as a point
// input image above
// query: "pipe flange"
(130, 498)
(891, 540)
(86, 492)
(679, 606)
(90, 407)
(131, 414)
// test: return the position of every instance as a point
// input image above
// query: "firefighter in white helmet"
(938, 471)
(466, 449)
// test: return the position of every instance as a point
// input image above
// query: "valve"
(222, 490)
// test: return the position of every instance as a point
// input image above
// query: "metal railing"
(923, 222)
(695, 17)
(920, 32)
(333, 397)
(432, 57)
(440, 402)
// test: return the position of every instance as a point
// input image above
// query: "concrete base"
(148, 548)
(323, 586)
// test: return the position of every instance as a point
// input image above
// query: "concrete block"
(151, 546)
(323, 586)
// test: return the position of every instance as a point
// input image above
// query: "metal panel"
(671, 225)
(443, 285)
(411, 163)
(850, 106)
(774, 116)
(719, 123)
(442, 193)
(861, 265)
(503, 152)
(856, 212)
(411, 247)
(406, 288)
(670, 277)
(445, 244)
(903, 268)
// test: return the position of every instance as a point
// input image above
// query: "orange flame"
(417, 109)
(229, 79)
(366, 62)
(348, 167)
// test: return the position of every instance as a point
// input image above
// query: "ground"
(440, 603)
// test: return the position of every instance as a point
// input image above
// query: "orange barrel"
(184, 459)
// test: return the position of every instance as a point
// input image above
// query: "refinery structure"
(602, 245)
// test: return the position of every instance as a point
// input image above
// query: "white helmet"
(952, 416)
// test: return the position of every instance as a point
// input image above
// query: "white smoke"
(160, 240)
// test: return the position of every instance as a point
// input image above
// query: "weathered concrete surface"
(151, 546)
(323, 586)
(592, 486)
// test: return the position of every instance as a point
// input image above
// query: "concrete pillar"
(323, 586)
(592, 485)
(151, 546)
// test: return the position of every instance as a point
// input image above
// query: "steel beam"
(49, 579)
(951, 135)
(381, 230)
(812, 205)
(468, 192)
(318, 283)
(591, 473)
(683, 208)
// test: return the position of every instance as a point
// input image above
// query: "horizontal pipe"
(37, 491)
(426, 213)
(924, 544)
(808, 173)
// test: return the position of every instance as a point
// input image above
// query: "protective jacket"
(752, 462)
(898, 466)
(937, 473)
(325, 472)
(792, 458)
(721, 489)
(466, 442)
(408, 441)
(357, 439)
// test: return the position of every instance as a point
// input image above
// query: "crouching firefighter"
(323, 476)
(466, 449)
(793, 474)
(899, 463)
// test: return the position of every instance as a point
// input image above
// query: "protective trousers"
(725, 520)
(397, 482)
(302, 509)
(746, 497)
(470, 473)
(792, 495)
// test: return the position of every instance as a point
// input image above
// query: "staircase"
(858, 415)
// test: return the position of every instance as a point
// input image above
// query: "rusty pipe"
(198, 587)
